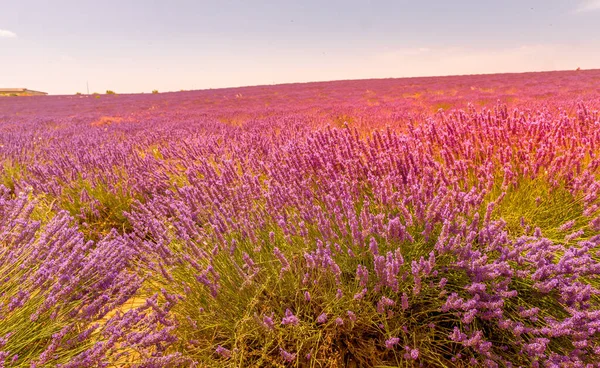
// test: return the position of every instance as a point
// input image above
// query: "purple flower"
(404, 301)
(567, 226)
(322, 318)
(574, 235)
(289, 319)
(307, 296)
(536, 348)
(412, 354)
(362, 274)
(384, 303)
(373, 247)
(285, 265)
(391, 342)
(361, 294)
(225, 353)
(288, 357)
(595, 224)
(268, 322)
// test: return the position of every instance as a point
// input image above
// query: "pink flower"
(391, 342)
(322, 318)
(289, 319)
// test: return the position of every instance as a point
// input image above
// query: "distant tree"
(78, 94)
(154, 91)
(109, 92)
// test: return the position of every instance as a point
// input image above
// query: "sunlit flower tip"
(339, 321)
(404, 301)
(373, 246)
(288, 357)
(411, 353)
(322, 318)
(595, 224)
(290, 318)
(361, 294)
(391, 342)
(226, 353)
(268, 322)
(567, 225)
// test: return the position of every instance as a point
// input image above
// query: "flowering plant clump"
(62, 296)
(246, 228)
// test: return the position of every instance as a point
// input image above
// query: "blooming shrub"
(415, 251)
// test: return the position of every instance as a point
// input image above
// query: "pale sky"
(140, 45)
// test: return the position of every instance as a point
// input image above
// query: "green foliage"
(154, 91)
(535, 203)
(11, 173)
(109, 92)
(30, 338)
(97, 207)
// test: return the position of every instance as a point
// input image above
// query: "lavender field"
(423, 222)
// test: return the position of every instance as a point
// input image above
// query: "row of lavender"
(63, 298)
(218, 237)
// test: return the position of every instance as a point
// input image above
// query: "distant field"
(435, 222)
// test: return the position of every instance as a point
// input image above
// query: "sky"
(128, 46)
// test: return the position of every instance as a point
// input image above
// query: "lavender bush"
(63, 298)
(377, 258)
